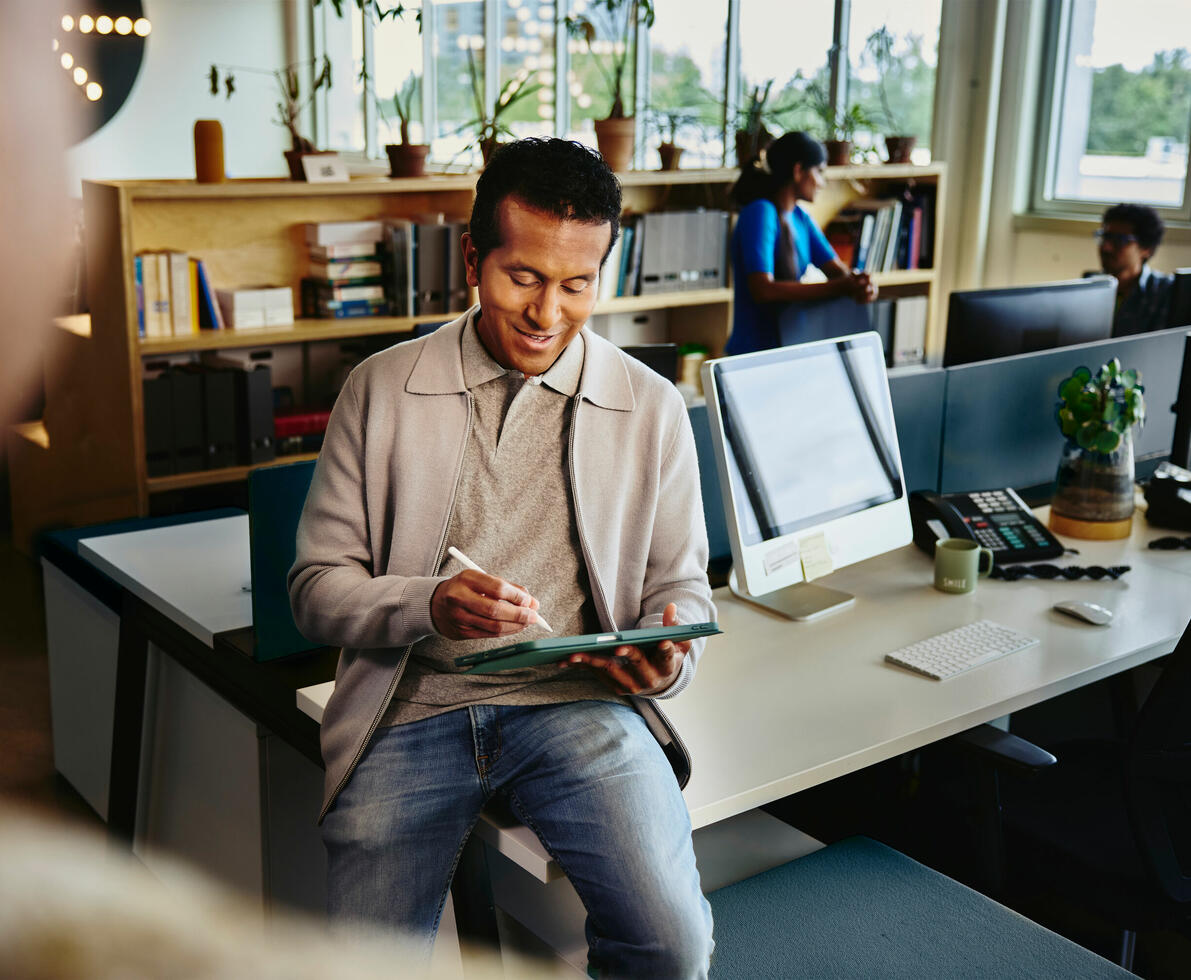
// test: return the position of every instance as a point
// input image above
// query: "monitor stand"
(802, 601)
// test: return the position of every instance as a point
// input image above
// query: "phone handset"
(934, 516)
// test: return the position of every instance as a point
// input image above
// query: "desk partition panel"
(999, 425)
(917, 395)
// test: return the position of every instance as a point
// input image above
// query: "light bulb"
(142, 27)
(103, 25)
(68, 23)
(86, 24)
(93, 91)
(67, 60)
(80, 76)
(123, 25)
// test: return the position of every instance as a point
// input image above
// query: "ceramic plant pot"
(615, 139)
(407, 159)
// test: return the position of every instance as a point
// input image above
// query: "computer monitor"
(987, 323)
(809, 467)
(1179, 314)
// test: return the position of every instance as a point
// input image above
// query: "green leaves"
(1096, 410)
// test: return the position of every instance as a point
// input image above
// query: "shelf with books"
(88, 462)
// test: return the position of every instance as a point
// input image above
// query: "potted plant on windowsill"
(753, 120)
(836, 127)
(489, 125)
(898, 144)
(668, 122)
(406, 158)
(623, 19)
(1094, 485)
(292, 104)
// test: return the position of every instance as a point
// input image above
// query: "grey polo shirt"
(514, 516)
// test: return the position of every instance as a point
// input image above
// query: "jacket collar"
(439, 367)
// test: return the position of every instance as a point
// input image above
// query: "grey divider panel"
(916, 392)
(999, 425)
(713, 503)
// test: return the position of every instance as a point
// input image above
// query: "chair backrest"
(276, 495)
(1158, 775)
(800, 323)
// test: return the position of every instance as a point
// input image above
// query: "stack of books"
(345, 277)
(173, 294)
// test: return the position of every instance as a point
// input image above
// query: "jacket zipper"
(602, 598)
(442, 547)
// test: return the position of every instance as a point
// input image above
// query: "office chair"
(1109, 825)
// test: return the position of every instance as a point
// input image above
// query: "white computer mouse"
(1089, 612)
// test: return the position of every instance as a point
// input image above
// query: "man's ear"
(471, 259)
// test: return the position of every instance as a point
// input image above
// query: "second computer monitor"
(987, 323)
(809, 467)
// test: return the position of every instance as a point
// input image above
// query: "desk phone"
(997, 519)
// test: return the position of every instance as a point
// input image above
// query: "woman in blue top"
(775, 241)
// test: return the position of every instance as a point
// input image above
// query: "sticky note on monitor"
(816, 559)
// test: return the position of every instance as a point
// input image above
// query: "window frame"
(1050, 100)
(373, 151)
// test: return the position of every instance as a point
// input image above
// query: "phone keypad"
(1013, 532)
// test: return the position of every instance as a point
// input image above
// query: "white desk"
(777, 707)
(198, 574)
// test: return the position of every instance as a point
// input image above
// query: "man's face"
(1120, 255)
(539, 287)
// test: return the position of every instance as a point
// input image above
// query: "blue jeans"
(586, 776)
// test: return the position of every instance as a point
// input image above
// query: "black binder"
(187, 403)
(219, 414)
(159, 425)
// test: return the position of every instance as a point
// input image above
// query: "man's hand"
(632, 670)
(471, 605)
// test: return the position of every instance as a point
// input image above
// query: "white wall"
(152, 135)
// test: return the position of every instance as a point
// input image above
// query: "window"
(688, 83)
(893, 53)
(1117, 107)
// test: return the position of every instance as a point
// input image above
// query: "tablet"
(532, 653)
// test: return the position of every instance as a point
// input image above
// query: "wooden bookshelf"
(85, 460)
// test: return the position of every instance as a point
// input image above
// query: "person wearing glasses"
(1128, 237)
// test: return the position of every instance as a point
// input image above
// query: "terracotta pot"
(748, 145)
(899, 148)
(407, 159)
(669, 154)
(839, 152)
(294, 159)
(615, 138)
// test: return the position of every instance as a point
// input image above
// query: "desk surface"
(199, 575)
(777, 707)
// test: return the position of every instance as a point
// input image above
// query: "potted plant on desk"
(621, 21)
(1094, 486)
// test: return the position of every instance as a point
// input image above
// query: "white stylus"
(466, 562)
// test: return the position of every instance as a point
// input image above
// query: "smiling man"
(567, 470)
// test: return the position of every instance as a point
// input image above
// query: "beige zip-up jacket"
(373, 530)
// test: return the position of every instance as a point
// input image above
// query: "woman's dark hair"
(563, 178)
(1144, 221)
(764, 175)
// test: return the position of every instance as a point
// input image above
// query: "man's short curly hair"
(1144, 221)
(563, 178)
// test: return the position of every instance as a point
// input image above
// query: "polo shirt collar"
(480, 367)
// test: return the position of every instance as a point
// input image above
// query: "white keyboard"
(960, 649)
